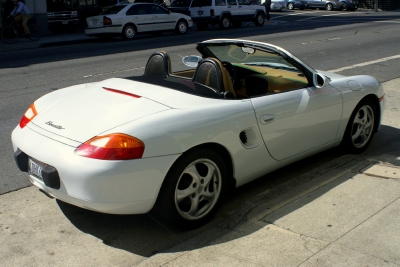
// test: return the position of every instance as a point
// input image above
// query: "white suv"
(225, 12)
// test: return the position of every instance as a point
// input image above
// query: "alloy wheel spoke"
(182, 194)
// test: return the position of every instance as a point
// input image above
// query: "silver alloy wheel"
(290, 6)
(363, 126)
(129, 32)
(198, 189)
(226, 22)
(182, 28)
(260, 19)
(329, 7)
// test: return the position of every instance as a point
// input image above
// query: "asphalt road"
(349, 43)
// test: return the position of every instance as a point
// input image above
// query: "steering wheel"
(231, 70)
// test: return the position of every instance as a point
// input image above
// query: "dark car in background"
(292, 4)
(180, 6)
(351, 5)
(62, 14)
(325, 4)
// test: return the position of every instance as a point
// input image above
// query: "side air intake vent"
(243, 137)
(250, 137)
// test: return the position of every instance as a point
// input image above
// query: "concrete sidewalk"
(344, 213)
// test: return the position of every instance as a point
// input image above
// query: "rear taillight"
(212, 13)
(107, 21)
(112, 147)
(28, 116)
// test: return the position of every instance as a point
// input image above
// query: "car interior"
(228, 80)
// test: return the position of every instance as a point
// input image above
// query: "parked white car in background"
(278, 5)
(129, 19)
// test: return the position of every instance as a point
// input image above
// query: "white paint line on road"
(318, 41)
(388, 21)
(105, 73)
(365, 63)
(293, 14)
(324, 16)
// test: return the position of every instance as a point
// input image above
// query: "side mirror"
(320, 81)
(191, 61)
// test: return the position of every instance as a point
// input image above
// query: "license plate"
(200, 12)
(35, 168)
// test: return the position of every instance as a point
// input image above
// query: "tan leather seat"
(211, 72)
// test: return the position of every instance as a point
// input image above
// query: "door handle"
(267, 118)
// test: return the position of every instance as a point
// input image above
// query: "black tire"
(237, 23)
(290, 6)
(360, 128)
(181, 27)
(224, 23)
(186, 200)
(329, 7)
(9, 34)
(344, 6)
(260, 19)
(129, 32)
(202, 26)
(35, 32)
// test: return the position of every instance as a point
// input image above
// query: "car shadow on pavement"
(143, 235)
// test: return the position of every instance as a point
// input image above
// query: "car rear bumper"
(116, 187)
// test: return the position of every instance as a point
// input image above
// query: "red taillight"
(107, 21)
(212, 12)
(112, 147)
(28, 116)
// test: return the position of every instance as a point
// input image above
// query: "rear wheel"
(35, 32)
(202, 26)
(129, 32)
(181, 27)
(361, 127)
(192, 190)
(260, 19)
(329, 7)
(9, 35)
(224, 23)
(290, 6)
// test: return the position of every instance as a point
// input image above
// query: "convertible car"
(175, 142)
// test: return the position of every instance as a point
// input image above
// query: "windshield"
(113, 10)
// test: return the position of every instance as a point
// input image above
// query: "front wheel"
(192, 190)
(329, 7)
(35, 32)
(129, 32)
(290, 6)
(9, 34)
(181, 27)
(260, 19)
(361, 127)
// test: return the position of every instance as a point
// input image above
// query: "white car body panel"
(169, 122)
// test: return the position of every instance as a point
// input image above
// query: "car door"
(139, 15)
(233, 8)
(161, 18)
(296, 121)
(245, 10)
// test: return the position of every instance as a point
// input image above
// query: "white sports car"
(172, 141)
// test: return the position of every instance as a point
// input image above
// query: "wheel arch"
(225, 13)
(129, 23)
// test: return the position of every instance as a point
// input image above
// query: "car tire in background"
(225, 22)
(259, 19)
(129, 32)
(329, 7)
(290, 6)
(361, 127)
(192, 190)
(181, 27)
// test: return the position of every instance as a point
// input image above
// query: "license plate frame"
(35, 168)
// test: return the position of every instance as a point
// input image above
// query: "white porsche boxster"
(171, 142)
